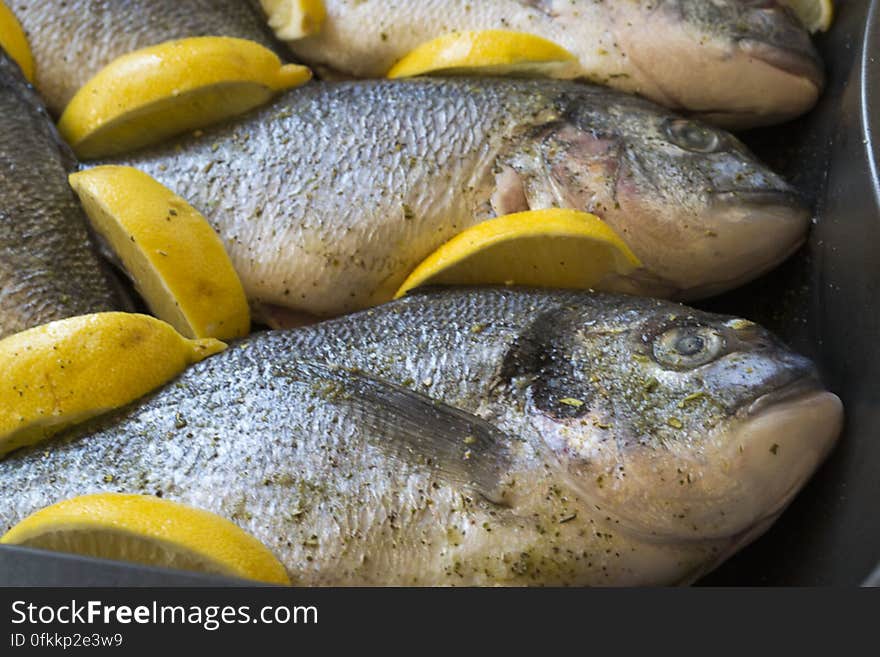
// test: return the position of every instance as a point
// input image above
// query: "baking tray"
(825, 302)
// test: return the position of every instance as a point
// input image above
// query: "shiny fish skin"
(48, 266)
(74, 39)
(738, 63)
(471, 437)
(328, 198)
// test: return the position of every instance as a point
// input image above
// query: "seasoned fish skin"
(471, 437)
(739, 64)
(74, 39)
(49, 268)
(328, 198)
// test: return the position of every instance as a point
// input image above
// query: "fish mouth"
(752, 231)
(783, 83)
(732, 485)
(789, 410)
(803, 386)
(785, 436)
(804, 64)
(759, 198)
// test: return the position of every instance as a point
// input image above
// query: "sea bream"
(49, 265)
(74, 39)
(471, 437)
(736, 62)
(327, 199)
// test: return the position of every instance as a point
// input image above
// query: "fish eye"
(692, 136)
(684, 347)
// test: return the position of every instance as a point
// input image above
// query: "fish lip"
(765, 225)
(800, 387)
(799, 63)
(760, 198)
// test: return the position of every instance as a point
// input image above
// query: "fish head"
(738, 63)
(698, 209)
(676, 424)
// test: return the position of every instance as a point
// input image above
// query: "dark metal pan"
(825, 302)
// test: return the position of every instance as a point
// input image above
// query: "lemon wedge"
(539, 248)
(294, 19)
(174, 257)
(816, 15)
(151, 94)
(14, 42)
(68, 371)
(150, 531)
(488, 52)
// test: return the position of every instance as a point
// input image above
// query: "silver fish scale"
(73, 39)
(288, 459)
(359, 179)
(48, 268)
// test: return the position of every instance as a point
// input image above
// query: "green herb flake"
(694, 396)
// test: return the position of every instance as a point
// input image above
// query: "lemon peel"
(175, 87)
(176, 260)
(150, 531)
(541, 248)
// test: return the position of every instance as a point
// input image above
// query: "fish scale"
(417, 443)
(301, 207)
(49, 268)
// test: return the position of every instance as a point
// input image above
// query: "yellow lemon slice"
(67, 371)
(489, 52)
(294, 19)
(540, 248)
(174, 257)
(151, 531)
(14, 42)
(816, 15)
(151, 94)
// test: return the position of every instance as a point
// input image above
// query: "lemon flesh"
(295, 19)
(816, 15)
(176, 260)
(151, 94)
(150, 531)
(65, 372)
(487, 52)
(14, 42)
(539, 248)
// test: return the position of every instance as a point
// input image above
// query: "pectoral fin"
(417, 429)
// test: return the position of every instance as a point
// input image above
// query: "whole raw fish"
(471, 437)
(327, 199)
(735, 62)
(49, 267)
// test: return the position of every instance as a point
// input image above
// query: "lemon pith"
(151, 94)
(490, 52)
(542, 248)
(67, 371)
(177, 261)
(295, 19)
(151, 531)
(14, 42)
